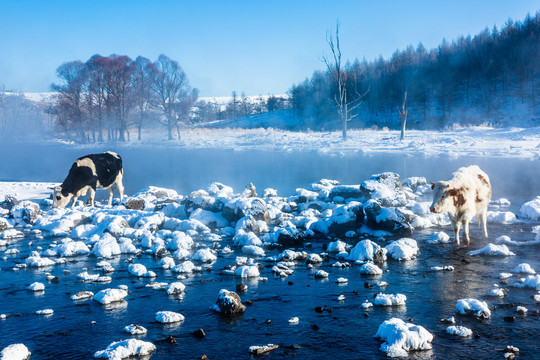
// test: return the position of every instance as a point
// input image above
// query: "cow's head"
(60, 200)
(443, 197)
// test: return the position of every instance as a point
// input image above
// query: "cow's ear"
(432, 185)
(452, 192)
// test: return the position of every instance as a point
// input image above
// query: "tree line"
(103, 98)
(484, 74)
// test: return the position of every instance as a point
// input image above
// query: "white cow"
(465, 195)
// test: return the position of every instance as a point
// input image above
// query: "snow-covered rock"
(108, 296)
(175, 288)
(438, 237)
(247, 271)
(106, 247)
(337, 247)
(140, 270)
(459, 331)
(126, 349)
(531, 281)
(15, 352)
(474, 307)
(185, 267)
(531, 209)
(135, 329)
(168, 317)
(11, 234)
(37, 261)
(45, 312)
(228, 303)
(321, 274)
(36, 286)
(242, 239)
(389, 299)
(403, 249)
(370, 268)
(492, 250)
(524, 268)
(204, 255)
(501, 217)
(400, 337)
(367, 250)
(252, 250)
(391, 219)
(82, 295)
(385, 188)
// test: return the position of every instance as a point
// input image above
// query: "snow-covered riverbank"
(468, 141)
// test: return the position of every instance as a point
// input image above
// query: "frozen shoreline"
(479, 141)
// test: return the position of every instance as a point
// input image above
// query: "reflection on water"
(83, 327)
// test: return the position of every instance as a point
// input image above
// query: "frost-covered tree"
(170, 86)
(70, 103)
(119, 81)
(97, 95)
(142, 87)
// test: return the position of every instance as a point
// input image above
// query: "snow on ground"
(26, 190)
(482, 141)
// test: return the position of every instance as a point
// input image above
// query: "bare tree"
(97, 96)
(403, 115)
(70, 97)
(343, 103)
(142, 86)
(119, 81)
(183, 109)
(170, 85)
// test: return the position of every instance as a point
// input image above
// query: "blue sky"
(258, 47)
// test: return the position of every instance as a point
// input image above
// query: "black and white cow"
(88, 173)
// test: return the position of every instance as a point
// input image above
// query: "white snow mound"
(400, 337)
(126, 349)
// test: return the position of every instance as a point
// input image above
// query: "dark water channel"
(78, 329)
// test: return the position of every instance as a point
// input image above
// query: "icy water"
(77, 330)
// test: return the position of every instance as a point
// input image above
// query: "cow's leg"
(119, 185)
(75, 198)
(111, 191)
(466, 230)
(91, 197)
(456, 225)
(482, 221)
